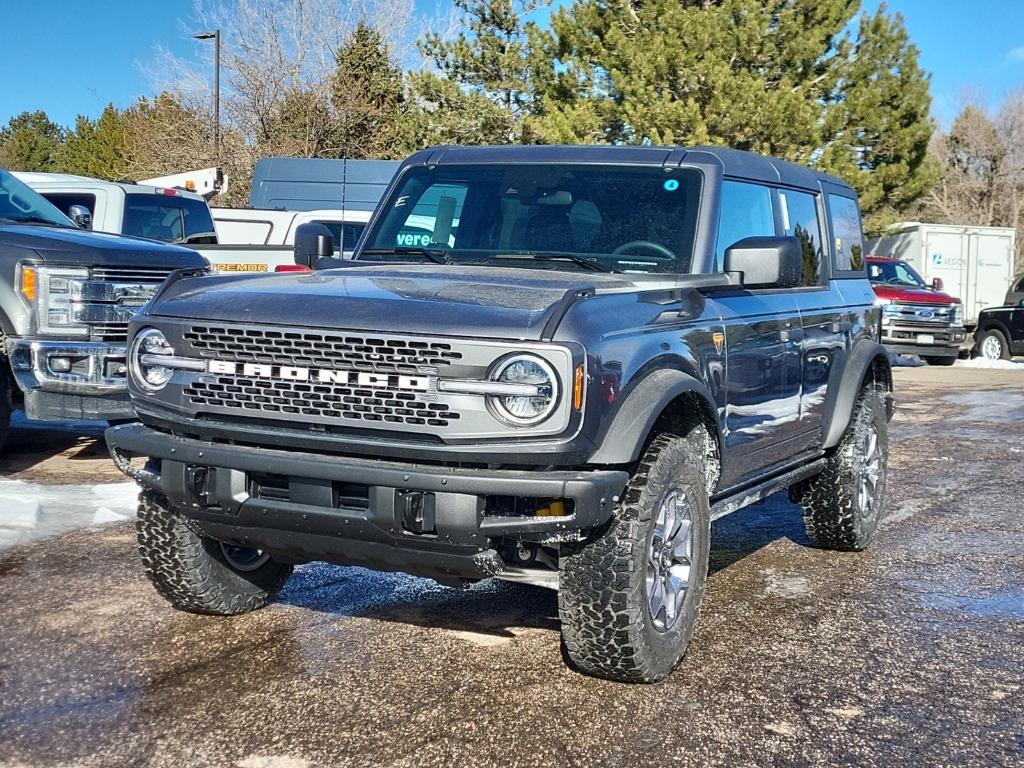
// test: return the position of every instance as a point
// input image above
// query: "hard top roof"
(734, 162)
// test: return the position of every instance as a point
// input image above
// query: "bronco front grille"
(308, 348)
(322, 401)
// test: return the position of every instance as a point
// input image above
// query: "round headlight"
(522, 410)
(147, 347)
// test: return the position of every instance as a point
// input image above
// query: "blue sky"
(73, 56)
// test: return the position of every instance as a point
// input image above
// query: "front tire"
(843, 503)
(198, 574)
(942, 361)
(630, 595)
(992, 345)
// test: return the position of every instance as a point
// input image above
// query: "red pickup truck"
(917, 319)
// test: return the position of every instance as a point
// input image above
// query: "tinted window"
(631, 219)
(800, 220)
(345, 233)
(849, 245)
(894, 272)
(746, 212)
(64, 200)
(169, 218)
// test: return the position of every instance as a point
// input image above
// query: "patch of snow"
(983, 362)
(30, 511)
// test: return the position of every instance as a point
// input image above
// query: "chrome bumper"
(85, 368)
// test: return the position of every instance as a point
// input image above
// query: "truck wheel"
(629, 596)
(993, 346)
(945, 361)
(843, 503)
(198, 574)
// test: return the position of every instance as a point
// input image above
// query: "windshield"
(602, 217)
(170, 218)
(894, 273)
(21, 204)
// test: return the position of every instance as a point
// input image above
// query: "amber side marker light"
(577, 389)
(29, 283)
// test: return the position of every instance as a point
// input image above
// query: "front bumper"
(429, 520)
(903, 339)
(89, 385)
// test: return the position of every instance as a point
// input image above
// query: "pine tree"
(30, 142)
(98, 148)
(366, 94)
(482, 91)
(781, 77)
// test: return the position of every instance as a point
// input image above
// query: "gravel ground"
(909, 654)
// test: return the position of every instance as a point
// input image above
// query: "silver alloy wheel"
(669, 559)
(868, 463)
(992, 348)
(243, 559)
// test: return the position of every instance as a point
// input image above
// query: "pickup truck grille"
(321, 401)
(155, 275)
(921, 314)
(113, 295)
(308, 348)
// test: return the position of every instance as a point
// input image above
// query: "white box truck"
(974, 263)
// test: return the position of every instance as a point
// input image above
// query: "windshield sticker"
(671, 185)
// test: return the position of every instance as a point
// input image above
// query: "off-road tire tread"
(831, 517)
(601, 620)
(188, 571)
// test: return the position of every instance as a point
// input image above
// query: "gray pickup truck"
(66, 295)
(599, 351)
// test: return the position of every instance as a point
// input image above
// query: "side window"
(800, 220)
(64, 200)
(746, 212)
(346, 234)
(849, 245)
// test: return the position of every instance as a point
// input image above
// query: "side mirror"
(767, 262)
(937, 283)
(81, 215)
(312, 242)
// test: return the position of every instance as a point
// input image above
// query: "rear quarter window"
(848, 243)
(169, 218)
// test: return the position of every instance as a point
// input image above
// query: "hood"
(62, 245)
(912, 295)
(482, 302)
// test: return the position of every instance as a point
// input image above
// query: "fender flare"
(839, 408)
(633, 420)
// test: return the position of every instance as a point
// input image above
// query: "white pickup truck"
(230, 239)
(262, 240)
(124, 208)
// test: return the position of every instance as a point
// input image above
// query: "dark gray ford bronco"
(589, 355)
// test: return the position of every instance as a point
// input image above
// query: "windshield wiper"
(38, 220)
(577, 260)
(436, 255)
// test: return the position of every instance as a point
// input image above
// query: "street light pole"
(215, 36)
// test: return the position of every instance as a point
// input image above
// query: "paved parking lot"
(909, 654)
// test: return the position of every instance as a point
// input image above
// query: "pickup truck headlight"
(144, 360)
(958, 314)
(539, 387)
(55, 294)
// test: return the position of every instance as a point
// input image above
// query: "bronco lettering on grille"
(322, 375)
